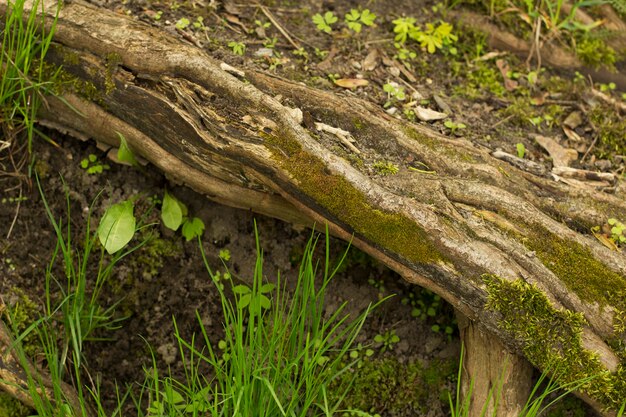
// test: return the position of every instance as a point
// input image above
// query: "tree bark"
(495, 382)
(509, 249)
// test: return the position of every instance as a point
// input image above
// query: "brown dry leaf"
(427, 115)
(561, 156)
(605, 241)
(509, 84)
(571, 135)
(351, 82)
(231, 8)
(538, 99)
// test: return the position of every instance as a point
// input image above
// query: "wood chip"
(561, 157)
(584, 175)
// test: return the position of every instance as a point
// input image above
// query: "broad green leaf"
(124, 154)
(521, 150)
(265, 302)
(367, 17)
(117, 226)
(192, 228)
(241, 289)
(267, 288)
(244, 301)
(171, 212)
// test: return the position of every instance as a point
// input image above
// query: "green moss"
(551, 338)
(385, 168)
(478, 80)
(595, 52)
(150, 258)
(70, 57)
(576, 266)
(610, 129)
(10, 407)
(112, 60)
(386, 385)
(21, 313)
(390, 230)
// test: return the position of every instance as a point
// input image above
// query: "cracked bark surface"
(452, 217)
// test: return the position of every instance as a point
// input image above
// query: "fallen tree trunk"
(510, 250)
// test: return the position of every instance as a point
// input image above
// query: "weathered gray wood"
(477, 231)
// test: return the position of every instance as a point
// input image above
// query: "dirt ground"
(166, 278)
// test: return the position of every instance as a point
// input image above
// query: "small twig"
(374, 41)
(344, 136)
(595, 140)
(282, 30)
(17, 210)
(506, 119)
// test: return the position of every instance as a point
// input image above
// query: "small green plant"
(182, 23)
(224, 255)
(607, 87)
(454, 126)
(199, 23)
(93, 165)
(238, 48)
(521, 150)
(270, 42)
(379, 284)
(387, 340)
(262, 25)
(405, 29)
(385, 168)
(394, 92)
(433, 38)
(254, 301)
(356, 19)
(174, 213)
(124, 154)
(324, 23)
(360, 353)
(302, 53)
(618, 230)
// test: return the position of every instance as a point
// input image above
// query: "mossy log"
(510, 250)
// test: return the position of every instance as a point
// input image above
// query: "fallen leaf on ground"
(572, 135)
(509, 84)
(426, 115)
(561, 156)
(351, 82)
